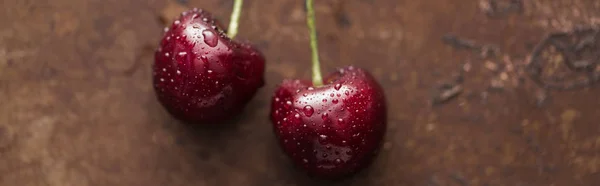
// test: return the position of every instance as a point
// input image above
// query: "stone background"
(78, 109)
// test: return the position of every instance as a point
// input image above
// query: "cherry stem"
(310, 22)
(235, 18)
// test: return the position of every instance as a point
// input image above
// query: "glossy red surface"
(331, 130)
(202, 76)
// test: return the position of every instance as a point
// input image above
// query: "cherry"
(332, 127)
(200, 75)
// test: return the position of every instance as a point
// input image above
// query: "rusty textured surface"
(77, 110)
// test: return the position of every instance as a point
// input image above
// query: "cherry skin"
(202, 76)
(332, 130)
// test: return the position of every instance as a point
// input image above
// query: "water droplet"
(182, 53)
(325, 155)
(167, 54)
(324, 116)
(297, 115)
(204, 58)
(340, 119)
(177, 22)
(331, 95)
(311, 88)
(323, 137)
(172, 81)
(337, 86)
(343, 141)
(166, 29)
(334, 101)
(204, 19)
(164, 69)
(324, 100)
(178, 72)
(337, 160)
(308, 110)
(347, 92)
(210, 38)
(288, 102)
(162, 79)
(328, 147)
(209, 71)
(305, 94)
(305, 160)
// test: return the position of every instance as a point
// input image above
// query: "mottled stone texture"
(76, 109)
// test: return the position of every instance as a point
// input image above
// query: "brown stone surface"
(77, 110)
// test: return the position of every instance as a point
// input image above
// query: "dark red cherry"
(202, 76)
(332, 130)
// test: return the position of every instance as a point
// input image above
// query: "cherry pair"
(330, 127)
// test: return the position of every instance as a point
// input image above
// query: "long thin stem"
(235, 18)
(310, 21)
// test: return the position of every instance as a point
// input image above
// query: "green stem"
(310, 21)
(235, 18)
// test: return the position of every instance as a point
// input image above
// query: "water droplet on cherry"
(337, 86)
(308, 110)
(210, 38)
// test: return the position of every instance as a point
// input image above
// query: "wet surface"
(78, 109)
